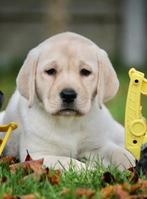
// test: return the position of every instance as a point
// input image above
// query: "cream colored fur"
(61, 136)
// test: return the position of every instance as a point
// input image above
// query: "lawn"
(30, 181)
(99, 183)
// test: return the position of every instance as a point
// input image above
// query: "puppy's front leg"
(111, 154)
(58, 162)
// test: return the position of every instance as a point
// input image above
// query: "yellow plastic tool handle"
(144, 87)
(135, 123)
(8, 129)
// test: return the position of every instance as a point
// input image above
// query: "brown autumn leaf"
(8, 196)
(57, 172)
(34, 176)
(134, 188)
(28, 157)
(125, 190)
(34, 165)
(54, 180)
(131, 189)
(29, 196)
(38, 176)
(81, 192)
(126, 187)
(108, 178)
(106, 192)
(119, 192)
(41, 174)
(138, 196)
(140, 187)
(144, 186)
(116, 191)
(8, 160)
(54, 177)
(134, 177)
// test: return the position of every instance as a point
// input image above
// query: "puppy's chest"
(68, 140)
(58, 137)
(61, 140)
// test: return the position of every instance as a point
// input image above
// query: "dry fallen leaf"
(108, 178)
(133, 178)
(55, 177)
(116, 191)
(7, 196)
(106, 192)
(28, 157)
(34, 176)
(54, 180)
(34, 165)
(41, 174)
(126, 187)
(29, 196)
(81, 192)
(134, 188)
(139, 196)
(8, 160)
(119, 192)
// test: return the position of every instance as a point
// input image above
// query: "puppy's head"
(65, 73)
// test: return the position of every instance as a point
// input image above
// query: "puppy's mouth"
(68, 111)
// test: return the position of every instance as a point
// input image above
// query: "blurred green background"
(117, 26)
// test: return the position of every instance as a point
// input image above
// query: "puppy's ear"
(26, 77)
(108, 83)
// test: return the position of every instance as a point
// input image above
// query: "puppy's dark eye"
(51, 71)
(85, 72)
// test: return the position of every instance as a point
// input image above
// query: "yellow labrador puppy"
(59, 105)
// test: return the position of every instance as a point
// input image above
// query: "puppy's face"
(66, 72)
(66, 77)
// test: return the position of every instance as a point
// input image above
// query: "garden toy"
(135, 123)
(8, 128)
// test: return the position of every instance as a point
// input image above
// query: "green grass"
(71, 180)
(117, 104)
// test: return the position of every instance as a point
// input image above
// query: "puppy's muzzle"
(68, 95)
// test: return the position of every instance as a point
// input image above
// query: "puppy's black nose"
(68, 95)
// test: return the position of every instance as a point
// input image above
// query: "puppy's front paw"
(123, 159)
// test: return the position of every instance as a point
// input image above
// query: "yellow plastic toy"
(7, 129)
(135, 123)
